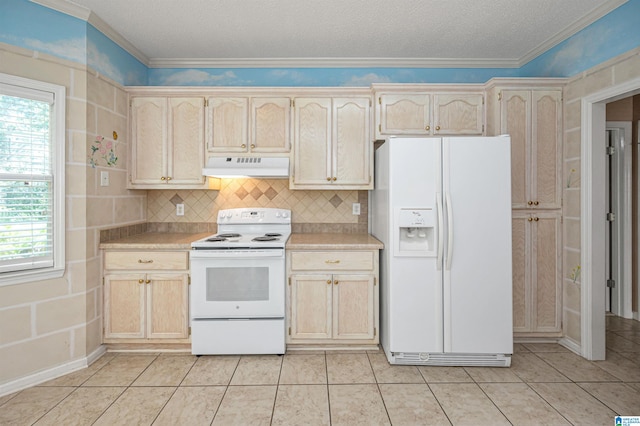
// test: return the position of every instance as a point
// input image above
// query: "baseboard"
(51, 373)
(572, 345)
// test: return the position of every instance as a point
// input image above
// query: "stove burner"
(215, 239)
(272, 234)
(232, 235)
(265, 238)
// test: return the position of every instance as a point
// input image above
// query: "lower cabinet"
(145, 304)
(537, 282)
(332, 297)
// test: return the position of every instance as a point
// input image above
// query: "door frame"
(623, 220)
(592, 189)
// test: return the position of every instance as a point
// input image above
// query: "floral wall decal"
(104, 150)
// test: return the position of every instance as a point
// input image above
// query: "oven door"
(237, 283)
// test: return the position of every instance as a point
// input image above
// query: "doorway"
(592, 231)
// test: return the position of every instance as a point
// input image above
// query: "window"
(31, 180)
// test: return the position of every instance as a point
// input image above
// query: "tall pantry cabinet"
(530, 111)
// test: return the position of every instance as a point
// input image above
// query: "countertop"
(333, 242)
(182, 241)
(155, 240)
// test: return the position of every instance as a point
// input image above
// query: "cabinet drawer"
(146, 260)
(332, 260)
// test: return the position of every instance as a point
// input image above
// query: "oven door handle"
(235, 254)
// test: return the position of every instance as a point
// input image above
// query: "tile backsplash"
(311, 211)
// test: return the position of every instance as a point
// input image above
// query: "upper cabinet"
(426, 112)
(532, 116)
(167, 142)
(332, 145)
(246, 125)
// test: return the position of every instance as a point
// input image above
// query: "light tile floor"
(547, 384)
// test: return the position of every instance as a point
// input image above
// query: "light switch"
(104, 178)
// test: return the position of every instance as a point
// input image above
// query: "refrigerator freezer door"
(477, 282)
(414, 286)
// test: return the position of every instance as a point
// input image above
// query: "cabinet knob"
(437, 128)
(536, 219)
(140, 281)
(535, 203)
(530, 219)
(253, 146)
(243, 145)
(334, 179)
(163, 178)
(328, 281)
(169, 178)
(427, 128)
(328, 179)
(335, 282)
(530, 203)
(148, 281)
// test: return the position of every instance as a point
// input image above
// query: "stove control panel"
(254, 216)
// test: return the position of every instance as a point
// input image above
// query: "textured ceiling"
(375, 30)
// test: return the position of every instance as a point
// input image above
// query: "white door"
(477, 260)
(415, 296)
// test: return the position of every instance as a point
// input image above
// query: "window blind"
(26, 179)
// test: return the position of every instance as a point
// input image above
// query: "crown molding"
(87, 15)
(332, 63)
(577, 26)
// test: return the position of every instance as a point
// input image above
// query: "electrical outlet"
(104, 178)
(179, 209)
(355, 208)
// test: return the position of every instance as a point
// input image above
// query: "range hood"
(258, 167)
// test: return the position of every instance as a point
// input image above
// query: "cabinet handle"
(243, 146)
(140, 281)
(145, 261)
(427, 128)
(335, 282)
(331, 261)
(328, 281)
(147, 281)
(253, 146)
(437, 128)
(535, 203)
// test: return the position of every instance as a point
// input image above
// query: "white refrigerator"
(442, 208)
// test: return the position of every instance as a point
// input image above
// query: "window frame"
(58, 141)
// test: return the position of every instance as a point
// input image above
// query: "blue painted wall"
(36, 27)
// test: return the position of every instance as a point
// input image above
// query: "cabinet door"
(353, 307)
(148, 140)
(167, 306)
(124, 306)
(546, 278)
(186, 141)
(458, 114)
(227, 124)
(270, 125)
(521, 270)
(546, 131)
(311, 306)
(515, 116)
(312, 142)
(404, 114)
(352, 157)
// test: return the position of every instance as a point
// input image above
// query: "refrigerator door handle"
(440, 215)
(447, 201)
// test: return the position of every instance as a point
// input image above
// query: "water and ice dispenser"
(415, 232)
